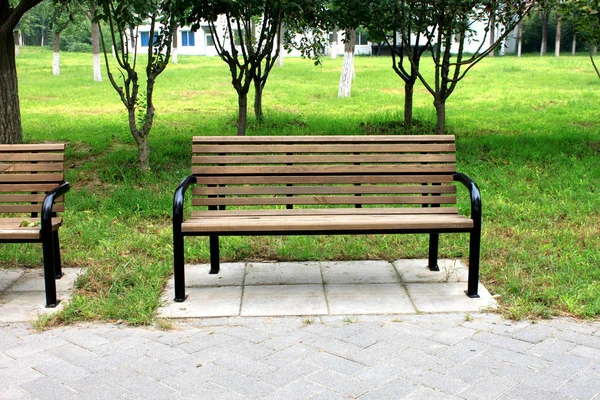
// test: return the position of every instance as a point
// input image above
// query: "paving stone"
(378, 352)
(516, 358)
(283, 273)
(383, 372)
(15, 375)
(468, 372)
(534, 378)
(551, 348)
(417, 271)
(567, 366)
(15, 393)
(284, 300)
(27, 306)
(489, 387)
(579, 338)
(242, 385)
(141, 385)
(197, 275)
(8, 277)
(534, 334)
(582, 386)
(453, 335)
(33, 281)
(107, 392)
(341, 383)
(368, 299)
(329, 394)
(151, 367)
(332, 346)
(250, 335)
(289, 355)
(448, 297)
(334, 363)
(49, 389)
(587, 352)
(204, 302)
(395, 389)
(289, 373)
(348, 272)
(425, 393)
(299, 390)
(84, 338)
(464, 350)
(525, 392)
(35, 344)
(202, 340)
(244, 365)
(419, 359)
(501, 341)
(61, 370)
(74, 354)
(434, 380)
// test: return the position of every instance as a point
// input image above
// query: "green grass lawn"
(527, 129)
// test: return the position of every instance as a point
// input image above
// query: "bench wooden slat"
(28, 208)
(28, 148)
(322, 211)
(27, 157)
(323, 179)
(274, 190)
(323, 148)
(329, 159)
(27, 187)
(323, 200)
(16, 178)
(326, 169)
(10, 228)
(42, 167)
(37, 198)
(325, 139)
(327, 223)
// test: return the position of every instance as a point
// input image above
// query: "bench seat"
(12, 229)
(293, 221)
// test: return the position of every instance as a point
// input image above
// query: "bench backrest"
(323, 170)
(27, 173)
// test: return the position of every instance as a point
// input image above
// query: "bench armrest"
(475, 196)
(49, 203)
(178, 199)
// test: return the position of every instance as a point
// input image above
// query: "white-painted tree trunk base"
(17, 50)
(56, 64)
(174, 54)
(97, 68)
(345, 88)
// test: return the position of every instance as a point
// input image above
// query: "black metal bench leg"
(214, 255)
(178, 267)
(49, 269)
(474, 250)
(434, 239)
(57, 262)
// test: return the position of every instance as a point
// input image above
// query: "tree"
(10, 112)
(121, 18)
(90, 11)
(585, 15)
(388, 22)
(451, 22)
(60, 20)
(248, 43)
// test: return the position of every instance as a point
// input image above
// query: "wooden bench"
(309, 185)
(32, 189)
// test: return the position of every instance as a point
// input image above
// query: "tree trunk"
(440, 109)
(143, 153)
(56, 58)
(574, 45)
(333, 46)
(520, 40)
(345, 88)
(280, 45)
(492, 38)
(409, 89)
(10, 113)
(175, 44)
(17, 35)
(242, 113)
(42, 41)
(96, 52)
(557, 38)
(258, 91)
(544, 34)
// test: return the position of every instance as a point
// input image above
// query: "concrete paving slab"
(26, 306)
(33, 281)
(347, 272)
(416, 271)
(196, 275)
(283, 273)
(8, 277)
(448, 297)
(284, 300)
(380, 298)
(203, 302)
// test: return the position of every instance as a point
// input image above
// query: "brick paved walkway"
(433, 356)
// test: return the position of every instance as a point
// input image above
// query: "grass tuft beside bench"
(32, 189)
(309, 185)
